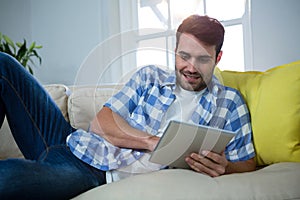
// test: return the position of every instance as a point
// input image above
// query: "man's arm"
(215, 165)
(117, 131)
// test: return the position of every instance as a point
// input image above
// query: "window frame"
(243, 20)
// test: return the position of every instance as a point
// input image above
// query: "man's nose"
(192, 65)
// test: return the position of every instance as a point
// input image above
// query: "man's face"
(194, 63)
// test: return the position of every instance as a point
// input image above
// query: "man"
(131, 119)
(126, 129)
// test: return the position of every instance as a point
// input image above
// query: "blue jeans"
(49, 170)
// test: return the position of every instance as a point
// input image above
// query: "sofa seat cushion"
(278, 181)
(273, 98)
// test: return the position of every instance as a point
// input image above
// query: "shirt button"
(138, 153)
(119, 162)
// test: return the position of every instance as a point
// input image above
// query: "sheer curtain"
(113, 59)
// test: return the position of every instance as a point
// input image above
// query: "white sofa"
(277, 180)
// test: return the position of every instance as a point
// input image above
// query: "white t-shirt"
(181, 110)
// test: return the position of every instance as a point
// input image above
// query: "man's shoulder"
(234, 95)
(228, 93)
(231, 89)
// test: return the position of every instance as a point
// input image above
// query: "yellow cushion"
(273, 98)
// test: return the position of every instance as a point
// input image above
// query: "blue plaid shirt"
(143, 101)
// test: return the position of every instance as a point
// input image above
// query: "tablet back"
(181, 139)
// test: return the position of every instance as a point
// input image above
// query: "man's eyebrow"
(205, 56)
(183, 52)
(199, 57)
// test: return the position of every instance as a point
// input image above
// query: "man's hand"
(208, 163)
(215, 165)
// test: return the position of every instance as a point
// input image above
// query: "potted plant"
(20, 51)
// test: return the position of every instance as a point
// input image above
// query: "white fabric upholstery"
(59, 94)
(8, 146)
(278, 181)
(85, 101)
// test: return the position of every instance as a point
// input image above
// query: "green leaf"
(19, 44)
(9, 42)
(22, 52)
(24, 62)
(6, 49)
(30, 70)
(31, 47)
(36, 55)
(39, 47)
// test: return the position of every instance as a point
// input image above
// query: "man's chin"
(192, 86)
(189, 87)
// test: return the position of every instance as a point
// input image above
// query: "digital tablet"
(180, 139)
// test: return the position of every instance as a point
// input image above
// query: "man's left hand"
(208, 163)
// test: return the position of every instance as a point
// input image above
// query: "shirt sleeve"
(99, 153)
(241, 146)
(126, 100)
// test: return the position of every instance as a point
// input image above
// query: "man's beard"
(183, 76)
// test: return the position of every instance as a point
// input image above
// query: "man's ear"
(219, 57)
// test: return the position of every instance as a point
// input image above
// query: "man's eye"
(184, 56)
(204, 60)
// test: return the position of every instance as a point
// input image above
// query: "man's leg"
(40, 131)
(33, 117)
(60, 176)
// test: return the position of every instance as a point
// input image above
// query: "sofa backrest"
(84, 103)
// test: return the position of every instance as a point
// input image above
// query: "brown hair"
(204, 28)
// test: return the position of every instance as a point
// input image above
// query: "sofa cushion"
(8, 146)
(59, 94)
(278, 181)
(85, 102)
(273, 98)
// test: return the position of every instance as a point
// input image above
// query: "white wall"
(70, 29)
(275, 32)
(67, 29)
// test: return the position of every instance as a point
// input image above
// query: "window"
(159, 19)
